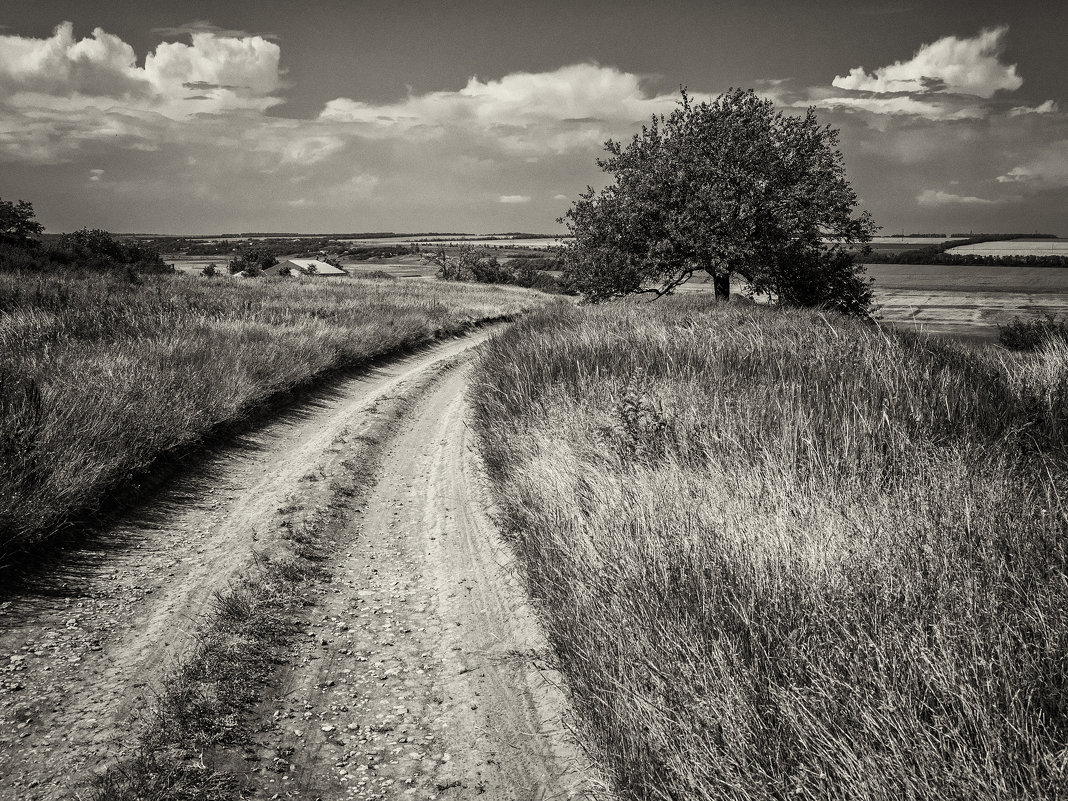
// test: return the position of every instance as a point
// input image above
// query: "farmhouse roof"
(312, 267)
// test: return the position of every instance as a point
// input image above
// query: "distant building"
(307, 267)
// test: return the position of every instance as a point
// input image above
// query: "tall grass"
(783, 555)
(100, 376)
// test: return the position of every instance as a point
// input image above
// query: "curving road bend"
(423, 673)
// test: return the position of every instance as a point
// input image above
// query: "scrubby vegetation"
(785, 555)
(22, 248)
(469, 263)
(1033, 334)
(100, 376)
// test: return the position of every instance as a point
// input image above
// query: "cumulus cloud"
(1047, 170)
(101, 65)
(195, 109)
(572, 107)
(1049, 107)
(63, 73)
(937, 197)
(224, 64)
(960, 66)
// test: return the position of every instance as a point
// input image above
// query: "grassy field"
(783, 555)
(99, 376)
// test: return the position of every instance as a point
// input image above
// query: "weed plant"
(100, 376)
(784, 555)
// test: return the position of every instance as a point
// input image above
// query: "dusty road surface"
(423, 671)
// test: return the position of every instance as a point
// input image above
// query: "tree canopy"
(727, 187)
(18, 224)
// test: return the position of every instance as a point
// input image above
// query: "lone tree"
(18, 224)
(727, 187)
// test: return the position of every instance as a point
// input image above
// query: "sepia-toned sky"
(456, 115)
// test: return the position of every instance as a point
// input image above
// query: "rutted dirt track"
(422, 672)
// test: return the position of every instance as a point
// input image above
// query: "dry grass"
(781, 555)
(99, 377)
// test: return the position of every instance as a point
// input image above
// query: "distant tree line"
(939, 254)
(91, 249)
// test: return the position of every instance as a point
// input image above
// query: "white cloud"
(959, 66)
(247, 66)
(1049, 107)
(905, 105)
(213, 74)
(576, 106)
(936, 197)
(1048, 170)
(96, 174)
(99, 66)
(514, 199)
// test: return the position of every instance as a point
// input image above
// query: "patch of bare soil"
(422, 671)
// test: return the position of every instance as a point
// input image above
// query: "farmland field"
(193, 265)
(961, 301)
(968, 302)
(1015, 247)
(539, 243)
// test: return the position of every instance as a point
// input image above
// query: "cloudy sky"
(457, 115)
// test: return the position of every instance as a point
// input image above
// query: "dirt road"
(422, 673)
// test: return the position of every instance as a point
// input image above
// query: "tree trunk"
(722, 283)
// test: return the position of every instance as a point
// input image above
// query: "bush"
(1033, 334)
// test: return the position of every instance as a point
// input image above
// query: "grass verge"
(780, 554)
(100, 377)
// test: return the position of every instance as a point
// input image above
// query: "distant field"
(958, 301)
(961, 301)
(967, 302)
(195, 265)
(1016, 247)
(481, 242)
(911, 240)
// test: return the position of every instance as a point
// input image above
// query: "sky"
(463, 116)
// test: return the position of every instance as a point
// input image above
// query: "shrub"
(1033, 334)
